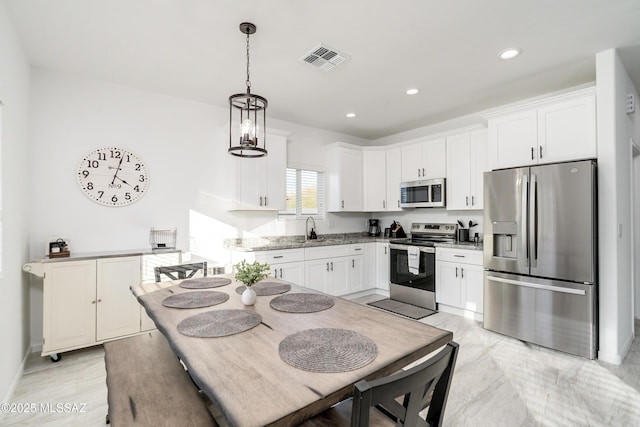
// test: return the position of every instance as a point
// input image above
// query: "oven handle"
(427, 249)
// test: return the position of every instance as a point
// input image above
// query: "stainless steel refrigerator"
(540, 255)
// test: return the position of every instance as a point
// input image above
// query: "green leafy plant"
(250, 274)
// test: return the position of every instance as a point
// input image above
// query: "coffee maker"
(374, 227)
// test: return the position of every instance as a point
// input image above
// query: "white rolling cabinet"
(69, 306)
(459, 282)
(117, 310)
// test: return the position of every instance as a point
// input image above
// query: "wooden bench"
(148, 386)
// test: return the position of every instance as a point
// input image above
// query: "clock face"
(113, 176)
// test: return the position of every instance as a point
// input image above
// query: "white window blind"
(305, 193)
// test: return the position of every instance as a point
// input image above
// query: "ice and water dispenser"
(505, 235)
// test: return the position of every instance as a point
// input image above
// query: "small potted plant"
(250, 274)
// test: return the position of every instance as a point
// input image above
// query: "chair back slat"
(182, 271)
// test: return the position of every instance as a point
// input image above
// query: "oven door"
(399, 268)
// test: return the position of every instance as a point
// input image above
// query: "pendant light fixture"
(247, 116)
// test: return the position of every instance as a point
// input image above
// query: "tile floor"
(498, 381)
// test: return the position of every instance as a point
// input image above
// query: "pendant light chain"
(248, 80)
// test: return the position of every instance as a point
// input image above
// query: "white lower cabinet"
(89, 301)
(290, 271)
(459, 282)
(382, 266)
(336, 270)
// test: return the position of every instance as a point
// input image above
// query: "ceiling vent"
(324, 57)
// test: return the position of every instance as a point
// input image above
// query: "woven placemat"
(204, 282)
(267, 288)
(327, 350)
(219, 323)
(301, 303)
(196, 299)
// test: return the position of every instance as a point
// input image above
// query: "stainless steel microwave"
(428, 193)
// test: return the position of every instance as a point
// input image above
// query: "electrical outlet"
(631, 104)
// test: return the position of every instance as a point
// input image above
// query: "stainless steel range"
(412, 266)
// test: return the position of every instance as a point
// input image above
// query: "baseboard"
(14, 384)
(617, 358)
(467, 314)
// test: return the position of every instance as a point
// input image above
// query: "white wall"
(184, 144)
(14, 179)
(615, 128)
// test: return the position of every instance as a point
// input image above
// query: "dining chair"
(377, 403)
(182, 271)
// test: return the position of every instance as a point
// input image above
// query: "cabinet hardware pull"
(467, 200)
(473, 200)
(398, 203)
(462, 272)
(357, 249)
(265, 200)
(418, 172)
(343, 204)
(422, 171)
(260, 200)
(275, 273)
(385, 250)
(459, 256)
(278, 256)
(327, 266)
(100, 300)
(281, 273)
(456, 271)
(353, 263)
(384, 204)
(532, 151)
(541, 151)
(332, 266)
(93, 302)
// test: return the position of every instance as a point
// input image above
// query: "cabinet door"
(374, 165)
(291, 272)
(567, 130)
(412, 162)
(394, 178)
(118, 311)
(448, 283)
(434, 159)
(317, 274)
(513, 139)
(356, 274)
(472, 287)
(459, 172)
(275, 194)
(479, 164)
(69, 305)
(344, 179)
(382, 266)
(339, 283)
(370, 274)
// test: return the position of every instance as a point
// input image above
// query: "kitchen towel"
(413, 257)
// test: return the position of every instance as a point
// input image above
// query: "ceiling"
(448, 49)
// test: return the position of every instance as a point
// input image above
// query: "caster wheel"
(55, 357)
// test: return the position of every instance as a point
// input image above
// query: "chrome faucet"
(306, 227)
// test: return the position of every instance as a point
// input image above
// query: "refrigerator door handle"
(533, 220)
(523, 219)
(537, 286)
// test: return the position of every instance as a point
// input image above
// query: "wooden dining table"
(244, 374)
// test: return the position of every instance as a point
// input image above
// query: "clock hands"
(123, 181)
(115, 175)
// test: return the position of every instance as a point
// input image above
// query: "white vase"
(249, 296)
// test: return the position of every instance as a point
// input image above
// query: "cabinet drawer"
(320, 252)
(459, 255)
(279, 256)
(356, 249)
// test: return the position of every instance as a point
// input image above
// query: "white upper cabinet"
(374, 164)
(424, 160)
(558, 130)
(467, 160)
(344, 179)
(260, 183)
(394, 178)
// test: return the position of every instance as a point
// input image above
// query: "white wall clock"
(113, 176)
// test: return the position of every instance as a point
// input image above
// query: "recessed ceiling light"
(412, 91)
(351, 115)
(510, 53)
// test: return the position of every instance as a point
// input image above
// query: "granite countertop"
(106, 254)
(269, 243)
